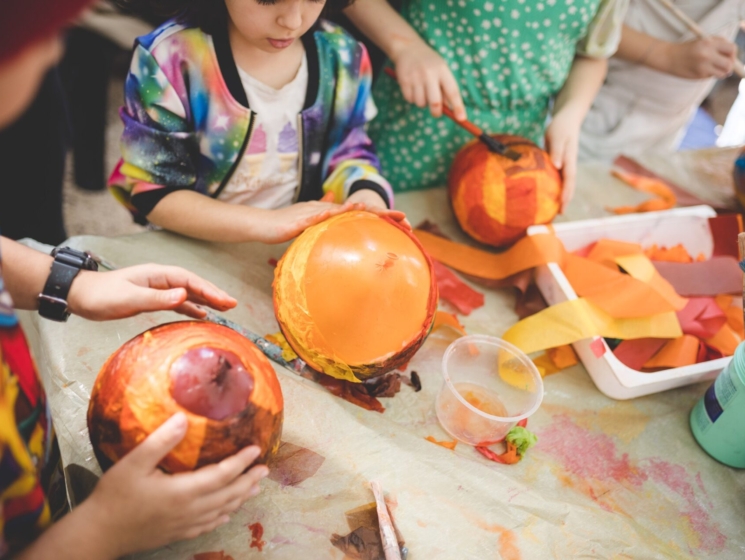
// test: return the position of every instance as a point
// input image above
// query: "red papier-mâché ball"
(355, 296)
(496, 199)
(222, 382)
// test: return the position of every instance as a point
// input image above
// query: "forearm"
(196, 215)
(74, 536)
(25, 272)
(643, 49)
(383, 25)
(582, 85)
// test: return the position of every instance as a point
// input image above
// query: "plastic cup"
(490, 385)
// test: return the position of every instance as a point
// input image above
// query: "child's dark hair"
(207, 14)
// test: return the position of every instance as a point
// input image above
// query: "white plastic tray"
(688, 226)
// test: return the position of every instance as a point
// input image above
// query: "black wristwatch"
(65, 267)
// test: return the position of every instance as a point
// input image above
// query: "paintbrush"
(694, 27)
(270, 350)
(387, 532)
(494, 145)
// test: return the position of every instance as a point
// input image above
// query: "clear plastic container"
(490, 385)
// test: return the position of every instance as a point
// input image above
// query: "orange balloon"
(355, 296)
(222, 382)
(495, 199)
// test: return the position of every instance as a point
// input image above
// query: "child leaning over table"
(244, 121)
(509, 63)
(134, 506)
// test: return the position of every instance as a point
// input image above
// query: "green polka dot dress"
(510, 58)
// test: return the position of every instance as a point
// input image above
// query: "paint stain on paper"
(257, 531)
(220, 555)
(592, 465)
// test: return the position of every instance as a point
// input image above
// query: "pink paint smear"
(593, 456)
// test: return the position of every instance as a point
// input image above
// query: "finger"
(407, 90)
(198, 289)
(434, 97)
(722, 66)
(137, 299)
(569, 172)
(234, 494)
(556, 152)
(725, 47)
(328, 197)
(452, 96)
(197, 530)
(420, 97)
(191, 310)
(146, 456)
(219, 475)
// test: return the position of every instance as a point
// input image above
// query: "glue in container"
(718, 419)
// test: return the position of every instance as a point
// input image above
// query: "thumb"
(556, 152)
(328, 197)
(157, 445)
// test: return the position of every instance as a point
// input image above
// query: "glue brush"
(494, 145)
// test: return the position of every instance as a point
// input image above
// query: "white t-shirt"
(267, 176)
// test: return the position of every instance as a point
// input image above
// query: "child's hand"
(425, 79)
(562, 145)
(710, 57)
(287, 223)
(137, 507)
(101, 296)
(374, 203)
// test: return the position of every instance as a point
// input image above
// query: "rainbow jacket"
(187, 121)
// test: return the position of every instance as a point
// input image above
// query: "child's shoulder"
(336, 35)
(170, 31)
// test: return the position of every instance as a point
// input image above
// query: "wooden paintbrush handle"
(695, 28)
(387, 532)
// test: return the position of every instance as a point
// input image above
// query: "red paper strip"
(598, 347)
(453, 290)
(701, 317)
(724, 230)
(718, 275)
(635, 353)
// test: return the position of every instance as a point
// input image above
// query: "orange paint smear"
(257, 531)
(446, 444)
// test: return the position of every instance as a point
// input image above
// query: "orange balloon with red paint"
(355, 296)
(496, 199)
(222, 382)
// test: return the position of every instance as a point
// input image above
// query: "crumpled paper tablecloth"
(607, 479)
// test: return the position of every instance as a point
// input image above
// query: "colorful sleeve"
(604, 32)
(352, 163)
(159, 151)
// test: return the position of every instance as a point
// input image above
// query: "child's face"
(20, 77)
(273, 25)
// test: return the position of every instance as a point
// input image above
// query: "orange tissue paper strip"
(664, 199)
(445, 319)
(682, 351)
(527, 253)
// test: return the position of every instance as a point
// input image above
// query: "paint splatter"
(587, 455)
(257, 531)
(294, 464)
(592, 465)
(219, 555)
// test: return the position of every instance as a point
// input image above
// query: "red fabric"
(24, 22)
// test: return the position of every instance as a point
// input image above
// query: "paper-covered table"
(607, 479)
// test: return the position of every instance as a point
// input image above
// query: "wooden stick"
(741, 243)
(739, 69)
(387, 532)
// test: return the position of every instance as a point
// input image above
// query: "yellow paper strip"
(578, 319)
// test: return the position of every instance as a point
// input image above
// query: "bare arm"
(709, 57)
(570, 109)
(423, 75)
(196, 215)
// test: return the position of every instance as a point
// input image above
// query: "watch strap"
(65, 267)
